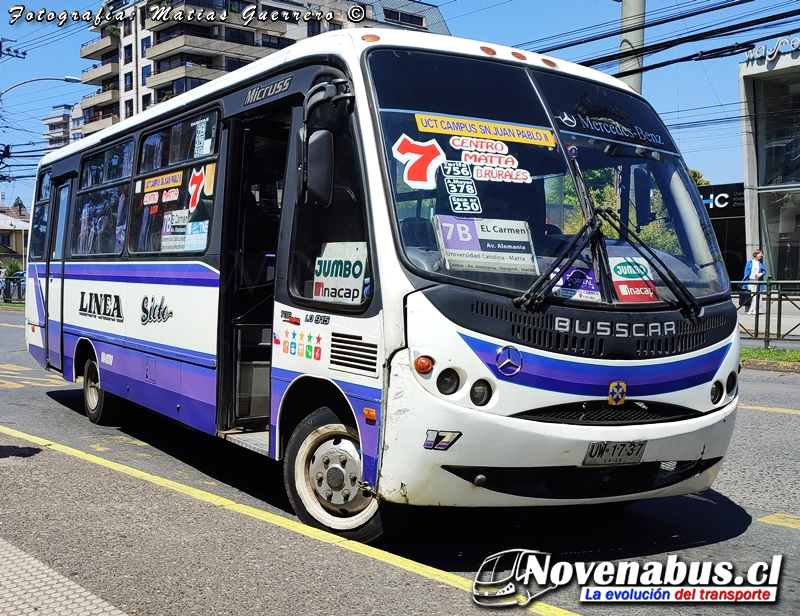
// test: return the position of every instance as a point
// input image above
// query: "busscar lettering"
(614, 329)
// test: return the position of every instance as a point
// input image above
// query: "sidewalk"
(28, 586)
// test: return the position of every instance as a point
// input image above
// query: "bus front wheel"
(322, 472)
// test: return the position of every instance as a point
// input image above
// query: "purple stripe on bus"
(38, 354)
(123, 372)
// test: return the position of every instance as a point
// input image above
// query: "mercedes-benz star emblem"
(508, 361)
(567, 119)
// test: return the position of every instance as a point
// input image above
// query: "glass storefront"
(777, 124)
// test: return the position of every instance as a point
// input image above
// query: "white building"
(769, 90)
(62, 126)
(149, 59)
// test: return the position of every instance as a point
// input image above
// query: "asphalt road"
(173, 549)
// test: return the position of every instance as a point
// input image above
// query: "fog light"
(480, 393)
(716, 392)
(730, 384)
(448, 381)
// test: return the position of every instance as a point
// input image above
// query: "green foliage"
(770, 354)
(113, 30)
(13, 267)
(698, 178)
(18, 203)
(602, 188)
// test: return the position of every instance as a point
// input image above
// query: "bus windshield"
(483, 173)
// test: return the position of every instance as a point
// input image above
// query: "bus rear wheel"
(96, 402)
(322, 473)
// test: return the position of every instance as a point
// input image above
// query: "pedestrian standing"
(755, 270)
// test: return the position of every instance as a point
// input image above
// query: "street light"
(67, 79)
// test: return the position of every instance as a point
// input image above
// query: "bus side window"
(39, 218)
(329, 245)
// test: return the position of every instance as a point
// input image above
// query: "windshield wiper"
(679, 290)
(545, 283)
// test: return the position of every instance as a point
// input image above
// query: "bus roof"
(347, 43)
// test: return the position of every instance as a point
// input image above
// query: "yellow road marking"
(769, 408)
(431, 573)
(782, 519)
(14, 368)
(11, 325)
(99, 448)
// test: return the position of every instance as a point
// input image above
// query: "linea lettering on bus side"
(259, 93)
(101, 306)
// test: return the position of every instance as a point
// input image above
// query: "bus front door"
(261, 143)
(54, 284)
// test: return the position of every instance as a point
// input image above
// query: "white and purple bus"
(417, 269)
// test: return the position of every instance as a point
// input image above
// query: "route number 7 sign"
(421, 161)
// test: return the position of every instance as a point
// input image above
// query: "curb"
(775, 366)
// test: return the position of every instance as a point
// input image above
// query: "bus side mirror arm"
(316, 165)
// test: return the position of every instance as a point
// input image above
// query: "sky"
(681, 93)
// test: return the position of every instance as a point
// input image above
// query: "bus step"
(254, 441)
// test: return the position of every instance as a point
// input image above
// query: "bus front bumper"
(441, 455)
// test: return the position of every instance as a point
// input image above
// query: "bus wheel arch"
(305, 395)
(84, 349)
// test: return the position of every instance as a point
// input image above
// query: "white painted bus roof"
(347, 43)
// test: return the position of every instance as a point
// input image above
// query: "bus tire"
(322, 471)
(95, 400)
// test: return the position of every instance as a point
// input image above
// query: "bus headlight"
(448, 381)
(730, 384)
(716, 392)
(480, 393)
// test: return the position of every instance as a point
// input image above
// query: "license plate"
(610, 453)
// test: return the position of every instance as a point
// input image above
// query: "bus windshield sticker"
(483, 130)
(486, 244)
(421, 161)
(173, 231)
(167, 180)
(577, 283)
(339, 272)
(490, 160)
(633, 279)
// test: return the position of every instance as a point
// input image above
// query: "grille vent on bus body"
(537, 331)
(349, 352)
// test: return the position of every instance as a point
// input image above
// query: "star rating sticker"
(294, 335)
(310, 337)
(319, 339)
(286, 334)
(301, 336)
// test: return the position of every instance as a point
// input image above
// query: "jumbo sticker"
(421, 161)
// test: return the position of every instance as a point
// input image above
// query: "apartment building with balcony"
(63, 125)
(145, 60)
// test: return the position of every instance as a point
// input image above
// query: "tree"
(19, 205)
(697, 176)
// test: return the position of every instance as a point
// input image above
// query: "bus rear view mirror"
(319, 170)
(641, 187)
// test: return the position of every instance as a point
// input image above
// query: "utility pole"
(632, 16)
